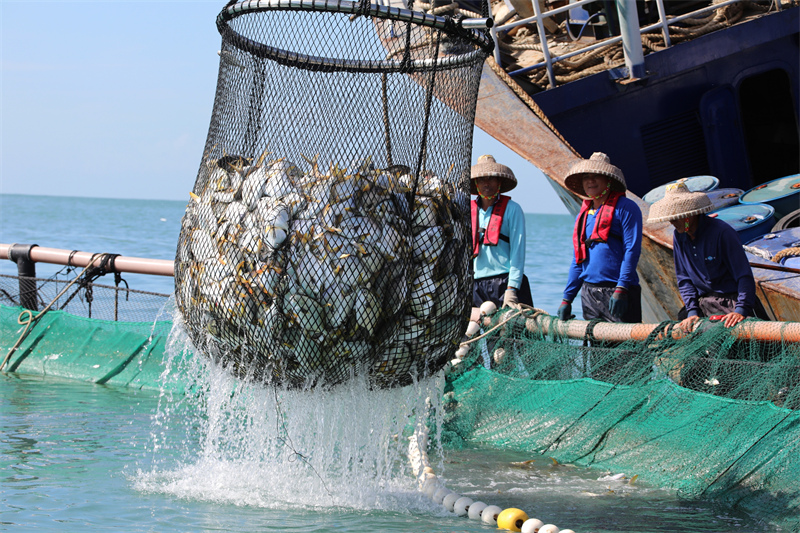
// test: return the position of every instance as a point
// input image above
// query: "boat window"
(769, 121)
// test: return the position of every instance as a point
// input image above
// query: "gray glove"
(510, 299)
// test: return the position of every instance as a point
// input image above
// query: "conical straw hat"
(488, 167)
(679, 202)
(600, 164)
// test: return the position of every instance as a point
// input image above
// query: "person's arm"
(734, 257)
(687, 289)
(630, 218)
(574, 281)
(516, 237)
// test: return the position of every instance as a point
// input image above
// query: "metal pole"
(662, 18)
(26, 270)
(133, 265)
(537, 12)
(631, 38)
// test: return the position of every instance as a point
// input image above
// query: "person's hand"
(510, 299)
(565, 311)
(618, 303)
(731, 319)
(687, 324)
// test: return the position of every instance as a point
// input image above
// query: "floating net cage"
(327, 233)
(711, 415)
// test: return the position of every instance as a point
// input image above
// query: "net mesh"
(84, 299)
(328, 229)
(707, 415)
(93, 332)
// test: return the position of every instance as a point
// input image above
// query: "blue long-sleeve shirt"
(506, 257)
(713, 263)
(613, 261)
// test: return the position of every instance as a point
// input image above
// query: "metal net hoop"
(327, 233)
(355, 64)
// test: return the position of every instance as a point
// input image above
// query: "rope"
(387, 133)
(588, 335)
(612, 56)
(758, 252)
(786, 252)
(523, 309)
(30, 320)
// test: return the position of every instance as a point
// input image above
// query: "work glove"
(565, 311)
(618, 304)
(510, 299)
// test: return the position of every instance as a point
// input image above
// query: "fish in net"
(327, 231)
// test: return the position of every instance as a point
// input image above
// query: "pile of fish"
(300, 277)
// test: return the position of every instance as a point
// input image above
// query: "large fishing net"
(711, 415)
(327, 231)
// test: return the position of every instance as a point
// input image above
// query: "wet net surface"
(709, 416)
(328, 229)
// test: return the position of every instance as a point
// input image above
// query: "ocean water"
(235, 457)
(150, 228)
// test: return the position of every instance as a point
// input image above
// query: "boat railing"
(78, 292)
(630, 34)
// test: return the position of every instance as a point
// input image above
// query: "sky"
(113, 99)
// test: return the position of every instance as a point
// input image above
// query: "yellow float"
(511, 519)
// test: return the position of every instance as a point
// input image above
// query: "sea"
(232, 457)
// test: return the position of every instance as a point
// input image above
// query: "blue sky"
(113, 99)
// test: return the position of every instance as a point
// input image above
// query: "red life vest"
(602, 225)
(492, 234)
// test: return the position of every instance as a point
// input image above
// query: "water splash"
(248, 444)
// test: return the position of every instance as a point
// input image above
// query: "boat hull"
(516, 120)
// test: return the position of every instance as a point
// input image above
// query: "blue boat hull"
(689, 116)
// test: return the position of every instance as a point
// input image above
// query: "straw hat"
(679, 202)
(488, 167)
(600, 164)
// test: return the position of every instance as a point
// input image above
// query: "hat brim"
(506, 184)
(676, 216)
(574, 182)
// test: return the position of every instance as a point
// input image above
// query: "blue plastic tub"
(776, 241)
(694, 184)
(783, 194)
(750, 221)
(724, 197)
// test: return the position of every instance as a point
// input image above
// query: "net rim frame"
(448, 25)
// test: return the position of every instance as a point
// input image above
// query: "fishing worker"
(498, 238)
(607, 242)
(713, 273)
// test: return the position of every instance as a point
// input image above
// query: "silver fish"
(367, 311)
(445, 299)
(428, 244)
(423, 290)
(203, 246)
(338, 301)
(253, 187)
(305, 312)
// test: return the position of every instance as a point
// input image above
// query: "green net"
(125, 354)
(707, 415)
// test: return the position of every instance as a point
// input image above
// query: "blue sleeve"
(516, 235)
(574, 281)
(740, 269)
(685, 286)
(631, 219)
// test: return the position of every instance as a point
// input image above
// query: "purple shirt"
(713, 263)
